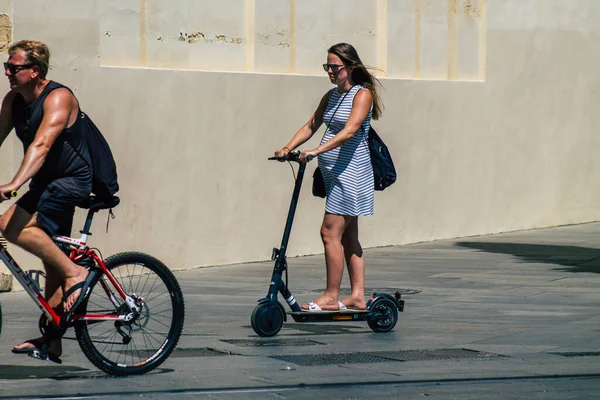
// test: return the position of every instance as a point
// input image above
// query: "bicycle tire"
(129, 358)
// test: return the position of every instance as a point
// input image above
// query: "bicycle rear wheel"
(138, 346)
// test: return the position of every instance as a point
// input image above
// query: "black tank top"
(68, 157)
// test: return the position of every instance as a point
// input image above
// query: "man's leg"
(52, 287)
(53, 294)
(21, 228)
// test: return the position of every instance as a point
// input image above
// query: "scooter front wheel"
(267, 322)
(386, 315)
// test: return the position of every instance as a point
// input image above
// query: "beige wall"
(490, 114)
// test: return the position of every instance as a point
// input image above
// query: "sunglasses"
(13, 68)
(334, 67)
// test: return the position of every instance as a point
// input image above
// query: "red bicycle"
(133, 313)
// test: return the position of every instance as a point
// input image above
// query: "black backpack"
(104, 169)
(384, 172)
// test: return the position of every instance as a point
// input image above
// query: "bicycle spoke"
(161, 323)
(165, 294)
(100, 334)
(167, 311)
(137, 288)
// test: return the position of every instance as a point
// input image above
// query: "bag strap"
(339, 104)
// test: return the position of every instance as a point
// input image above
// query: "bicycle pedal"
(37, 354)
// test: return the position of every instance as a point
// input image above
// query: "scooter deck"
(317, 316)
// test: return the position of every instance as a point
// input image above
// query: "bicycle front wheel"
(138, 346)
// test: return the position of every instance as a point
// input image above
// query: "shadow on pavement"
(292, 328)
(573, 258)
(61, 372)
(50, 371)
(319, 328)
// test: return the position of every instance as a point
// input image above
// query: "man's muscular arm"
(6, 122)
(58, 109)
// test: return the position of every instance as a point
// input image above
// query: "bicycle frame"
(77, 253)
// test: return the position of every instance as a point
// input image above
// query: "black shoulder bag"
(318, 187)
(384, 173)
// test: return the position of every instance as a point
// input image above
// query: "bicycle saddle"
(94, 203)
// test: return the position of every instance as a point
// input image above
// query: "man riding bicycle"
(46, 118)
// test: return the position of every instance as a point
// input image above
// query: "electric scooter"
(269, 315)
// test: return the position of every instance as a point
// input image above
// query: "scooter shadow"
(324, 329)
(291, 329)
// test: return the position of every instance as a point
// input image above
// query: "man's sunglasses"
(334, 67)
(13, 68)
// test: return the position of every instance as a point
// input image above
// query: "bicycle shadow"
(59, 372)
(50, 371)
(573, 258)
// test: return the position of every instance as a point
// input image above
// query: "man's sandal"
(85, 289)
(39, 351)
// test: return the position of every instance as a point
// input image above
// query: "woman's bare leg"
(332, 230)
(355, 260)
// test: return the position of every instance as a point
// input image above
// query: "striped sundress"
(347, 169)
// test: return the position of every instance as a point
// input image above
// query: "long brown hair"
(360, 74)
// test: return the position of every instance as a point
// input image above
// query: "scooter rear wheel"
(386, 315)
(267, 322)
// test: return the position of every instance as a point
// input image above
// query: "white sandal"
(314, 307)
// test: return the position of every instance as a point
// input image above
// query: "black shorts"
(54, 208)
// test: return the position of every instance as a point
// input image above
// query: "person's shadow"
(572, 258)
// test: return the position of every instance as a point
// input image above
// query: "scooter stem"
(290, 218)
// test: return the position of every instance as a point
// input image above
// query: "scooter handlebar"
(291, 156)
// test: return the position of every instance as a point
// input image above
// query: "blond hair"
(37, 53)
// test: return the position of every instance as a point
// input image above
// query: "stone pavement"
(516, 305)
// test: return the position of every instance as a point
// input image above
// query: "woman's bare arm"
(308, 129)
